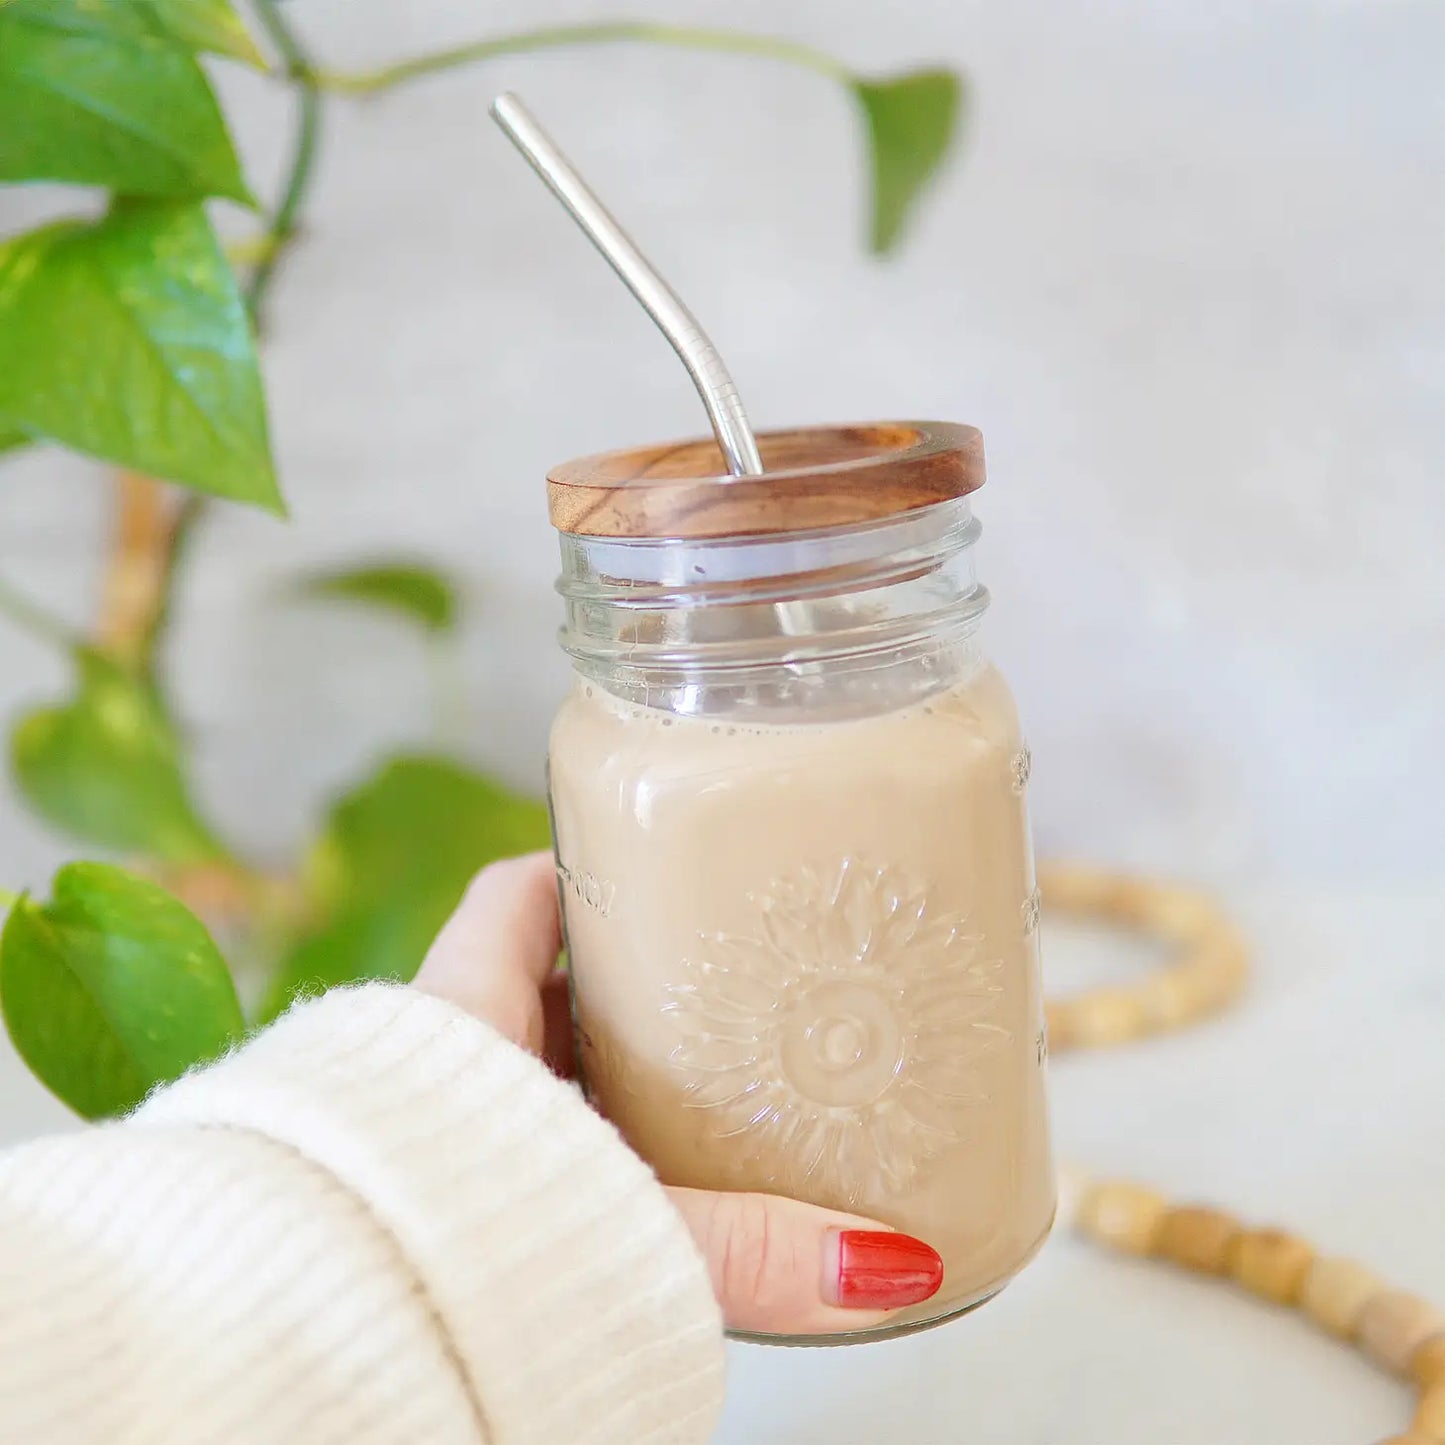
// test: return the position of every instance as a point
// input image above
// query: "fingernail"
(882, 1271)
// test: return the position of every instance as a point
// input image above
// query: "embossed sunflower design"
(844, 1035)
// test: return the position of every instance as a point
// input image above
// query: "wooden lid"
(814, 477)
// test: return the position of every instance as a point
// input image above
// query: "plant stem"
(34, 619)
(282, 224)
(250, 250)
(133, 588)
(369, 82)
(183, 523)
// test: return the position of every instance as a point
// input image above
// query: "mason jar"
(788, 804)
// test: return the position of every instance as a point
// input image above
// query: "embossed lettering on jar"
(788, 794)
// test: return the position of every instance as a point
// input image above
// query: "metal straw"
(661, 302)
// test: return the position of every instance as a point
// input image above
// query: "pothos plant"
(129, 334)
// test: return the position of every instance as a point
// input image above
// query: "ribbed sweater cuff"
(566, 1284)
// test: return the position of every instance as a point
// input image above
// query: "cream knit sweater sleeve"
(376, 1223)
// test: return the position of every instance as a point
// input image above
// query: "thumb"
(782, 1267)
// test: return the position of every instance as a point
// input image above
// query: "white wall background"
(1189, 278)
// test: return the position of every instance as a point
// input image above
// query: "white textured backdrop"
(1187, 277)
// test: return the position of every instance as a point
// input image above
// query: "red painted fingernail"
(882, 1271)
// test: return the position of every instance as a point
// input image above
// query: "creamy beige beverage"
(805, 959)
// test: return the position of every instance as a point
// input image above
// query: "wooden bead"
(1108, 1016)
(1073, 1186)
(1123, 1216)
(1177, 997)
(1394, 1324)
(1427, 1365)
(1430, 1414)
(1334, 1293)
(1060, 1016)
(1093, 892)
(1271, 1263)
(1179, 912)
(1197, 1238)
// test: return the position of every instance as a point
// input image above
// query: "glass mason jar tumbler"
(788, 804)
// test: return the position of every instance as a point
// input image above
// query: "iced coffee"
(789, 796)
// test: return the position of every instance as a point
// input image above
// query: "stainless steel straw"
(661, 302)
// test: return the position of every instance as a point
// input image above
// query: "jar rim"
(814, 478)
(616, 568)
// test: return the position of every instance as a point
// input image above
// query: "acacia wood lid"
(813, 477)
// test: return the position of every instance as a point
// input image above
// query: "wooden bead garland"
(1397, 1330)
(1207, 973)
(1428, 1365)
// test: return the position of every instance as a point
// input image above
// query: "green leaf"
(128, 339)
(911, 122)
(420, 593)
(99, 92)
(11, 439)
(211, 26)
(392, 864)
(112, 988)
(106, 768)
(198, 26)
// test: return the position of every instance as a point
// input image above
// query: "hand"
(777, 1265)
